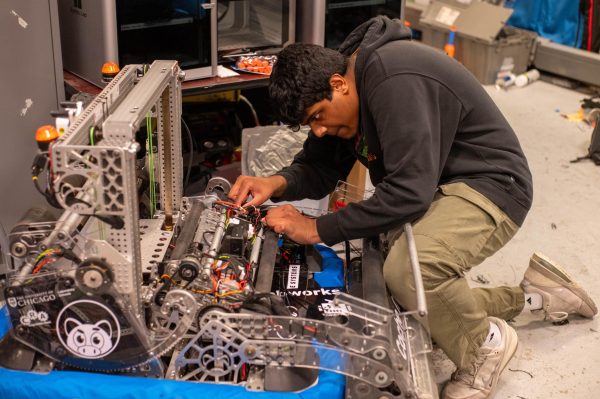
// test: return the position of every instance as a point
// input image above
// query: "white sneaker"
(561, 295)
(480, 379)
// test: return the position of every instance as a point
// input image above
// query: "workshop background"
(539, 61)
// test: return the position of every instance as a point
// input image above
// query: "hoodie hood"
(371, 35)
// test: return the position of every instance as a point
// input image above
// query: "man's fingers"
(279, 228)
(240, 199)
(234, 192)
(255, 201)
(241, 193)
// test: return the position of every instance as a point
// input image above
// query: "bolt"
(92, 279)
(379, 354)
(250, 351)
(19, 249)
(381, 377)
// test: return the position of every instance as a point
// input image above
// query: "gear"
(94, 276)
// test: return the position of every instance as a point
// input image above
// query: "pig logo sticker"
(88, 329)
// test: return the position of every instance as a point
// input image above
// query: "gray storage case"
(484, 45)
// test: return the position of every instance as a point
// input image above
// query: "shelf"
(149, 25)
(189, 88)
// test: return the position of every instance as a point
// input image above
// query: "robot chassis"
(169, 296)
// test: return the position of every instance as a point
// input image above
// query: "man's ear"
(338, 82)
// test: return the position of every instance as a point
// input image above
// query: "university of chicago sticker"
(88, 329)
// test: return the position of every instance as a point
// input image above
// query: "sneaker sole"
(554, 272)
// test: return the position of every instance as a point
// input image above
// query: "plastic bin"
(484, 45)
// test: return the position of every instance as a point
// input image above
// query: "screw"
(250, 351)
(379, 354)
(381, 377)
(19, 249)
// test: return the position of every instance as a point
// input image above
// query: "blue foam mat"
(81, 385)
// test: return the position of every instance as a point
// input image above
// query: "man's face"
(338, 116)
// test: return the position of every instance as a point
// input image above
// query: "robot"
(134, 278)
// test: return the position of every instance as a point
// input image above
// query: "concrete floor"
(564, 224)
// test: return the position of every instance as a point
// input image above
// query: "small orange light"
(46, 134)
(110, 69)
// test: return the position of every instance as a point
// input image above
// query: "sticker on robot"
(293, 277)
(34, 318)
(32, 299)
(401, 343)
(330, 308)
(93, 338)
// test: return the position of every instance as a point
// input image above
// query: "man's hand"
(288, 220)
(261, 189)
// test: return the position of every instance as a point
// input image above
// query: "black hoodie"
(424, 121)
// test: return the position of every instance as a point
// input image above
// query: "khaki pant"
(460, 230)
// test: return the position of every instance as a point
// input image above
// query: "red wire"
(42, 264)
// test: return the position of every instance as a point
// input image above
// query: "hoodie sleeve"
(410, 113)
(317, 168)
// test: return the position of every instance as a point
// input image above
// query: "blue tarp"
(556, 20)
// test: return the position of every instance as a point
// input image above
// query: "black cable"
(38, 188)
(189, 171)
(347, 264)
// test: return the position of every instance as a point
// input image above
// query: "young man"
(442, 157)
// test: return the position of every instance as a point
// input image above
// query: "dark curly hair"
(300, 79)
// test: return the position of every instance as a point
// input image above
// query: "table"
(189, 88)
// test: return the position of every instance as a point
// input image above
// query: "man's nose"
(318, 130)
